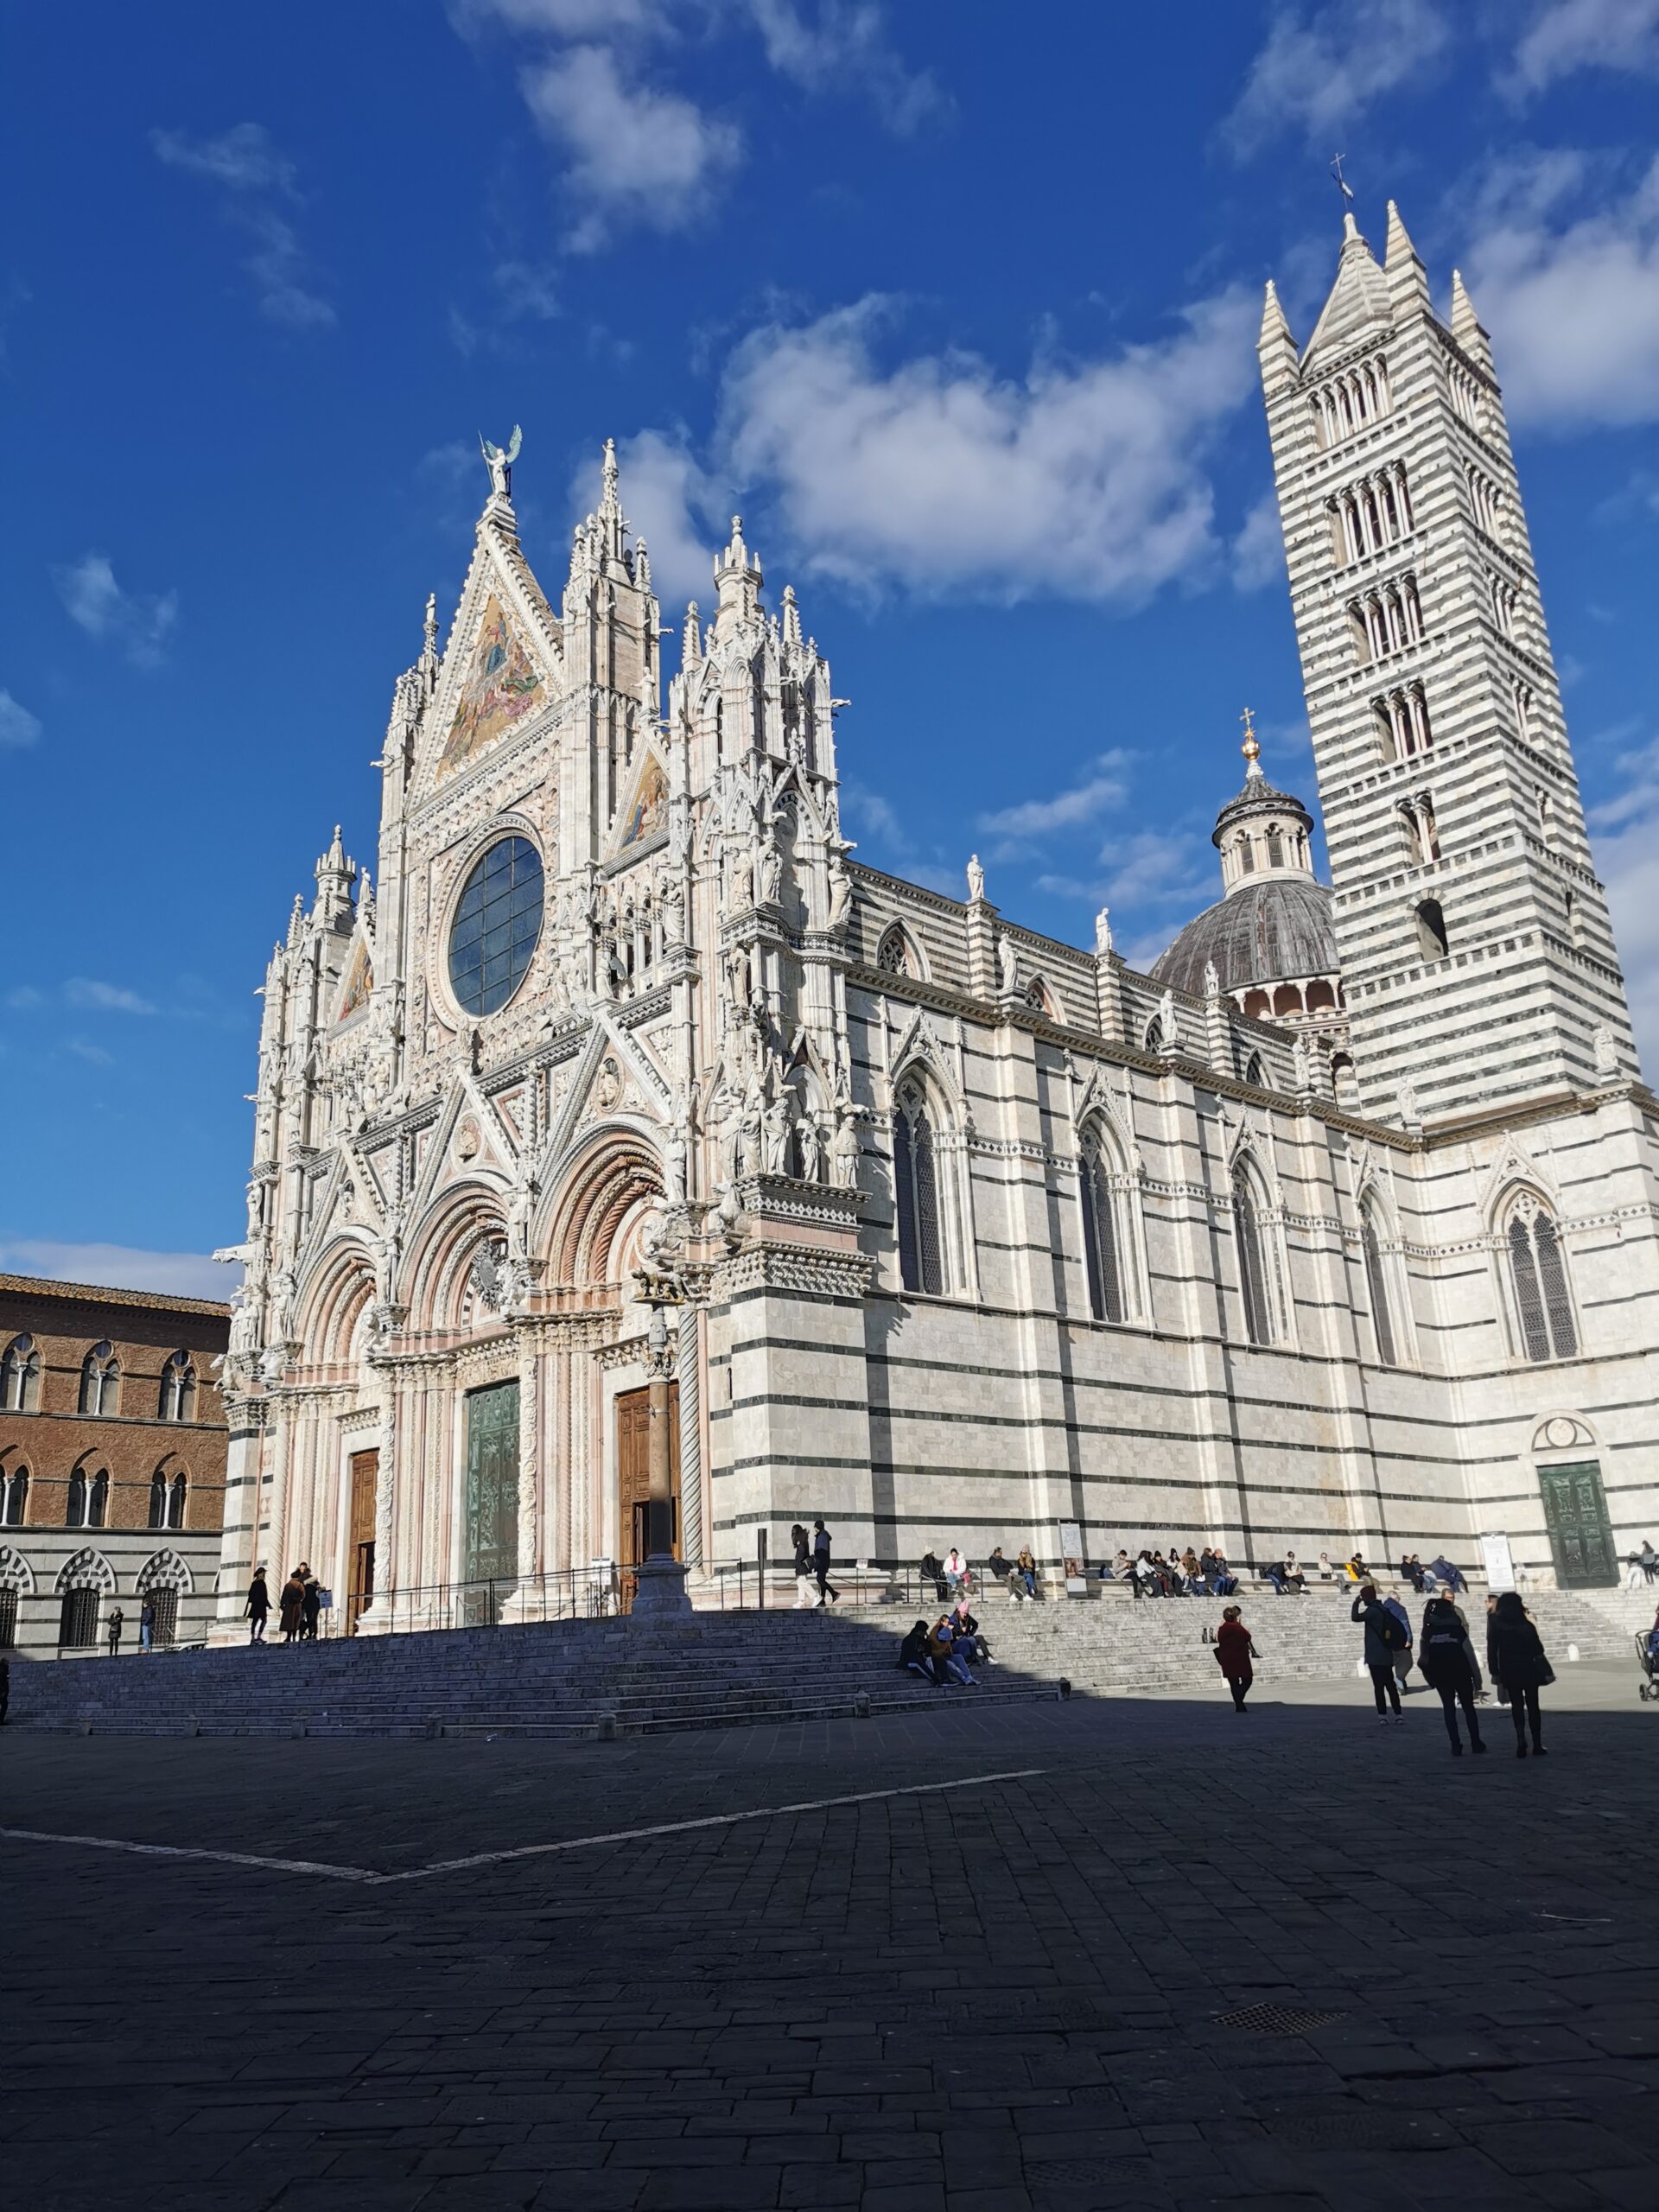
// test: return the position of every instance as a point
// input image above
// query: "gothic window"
(177, 1496)
(1412, 834)
(1376, 1287)
(1430, 827)
(1543, 1305)
(98, 1499)
(1255, 1072)
(916, 1192)
(1258, 1266)
(1037, 998)
(20, 1376)
(158, 1500)
(14, 1497)
(894, 955)
(178, 1388)
(100, 1380)
(1431, 929)
(1154, 1039)
(1103, 1241)
(1345, 1083)
(75, 1512)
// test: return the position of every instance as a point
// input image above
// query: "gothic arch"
(897, 953)
(342, 1286)
(1566, 1430)
(614, 1173)
(165, 1570)
(932, 1217)
(87, 1569)
(16, 1572)
(1535, 1283)
(1108, 1189)
(467, 1216)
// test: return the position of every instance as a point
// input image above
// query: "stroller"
(1648, 1686)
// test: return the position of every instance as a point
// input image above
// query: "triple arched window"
(20, 1376)
(88, 1503)
(1261, 1289)
(100, 1380)
(1545, 1328)
(922, 1250)
(1105, 1246)
(179, 1389)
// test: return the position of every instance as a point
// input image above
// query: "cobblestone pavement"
(1000, 1997)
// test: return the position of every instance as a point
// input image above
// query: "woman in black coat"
(1448, 1666)
(1516, 1658)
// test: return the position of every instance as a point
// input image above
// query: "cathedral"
(637, 1174)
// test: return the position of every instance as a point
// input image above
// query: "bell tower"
(1478, 959)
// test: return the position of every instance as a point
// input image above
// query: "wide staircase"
(585, 1679)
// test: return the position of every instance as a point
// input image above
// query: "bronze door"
(633, 1479)
(366, 1469)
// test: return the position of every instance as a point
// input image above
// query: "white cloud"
(103, 998)
(94, 1055)
(17, 726)
(1104, 788)
(636, 155)
(1083, 481)
(1568, 35)
(118, 1267)
(1626, 828)
(253, 175)
(1569, 289)
(667, 496)
(1259, 549)
(1155, 868)
(1323, 66)
(140, 623)
(845, 46)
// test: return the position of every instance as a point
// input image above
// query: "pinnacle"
(1400, 247)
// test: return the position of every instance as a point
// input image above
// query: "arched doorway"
(633, 1482)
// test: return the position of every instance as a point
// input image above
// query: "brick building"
(112, 1462)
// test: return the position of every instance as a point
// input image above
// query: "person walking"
(113, 1627)
(1518, 1664)
(257, 1610)
(1402, 1651)
(1643, 1564)
(827, 1593)
(1234, 1652)
(1447, 1660)
(803, 1549)
(147, 1625)
(1381, 1641)
(293, 1600)
(310, 1606)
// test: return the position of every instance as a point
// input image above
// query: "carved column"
(688, 1371)
(529, 1462)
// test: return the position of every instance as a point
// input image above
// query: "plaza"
(979, 1961)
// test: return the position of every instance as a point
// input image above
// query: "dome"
(1277, 927)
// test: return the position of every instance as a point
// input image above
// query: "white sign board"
(1071, 1555)
(1495, 1558)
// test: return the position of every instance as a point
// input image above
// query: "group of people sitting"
(948, 1651)
(1177, 1575)
(1438, 1574)
(952, 1576)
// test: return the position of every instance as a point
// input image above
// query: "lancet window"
(20, 1376)
(1545, 1327)
(916, 1193)
(1104, 1243)
(100, 1380)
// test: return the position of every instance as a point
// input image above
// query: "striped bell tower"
(1477, 960)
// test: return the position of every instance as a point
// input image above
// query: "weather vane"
(1343, 185)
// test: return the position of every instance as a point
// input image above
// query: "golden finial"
(1251, 747)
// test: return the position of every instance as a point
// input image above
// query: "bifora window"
(497, 922)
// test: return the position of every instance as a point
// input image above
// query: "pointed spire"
(297, 920)
(1467, 324)
(1360, 298)
(610, 522)
(610, 504)
(791, 625)
(428, 664)
(335, 875)
(641, 564)
(1407, 279)
(737, 581)
(1275, 347)
(691, 638)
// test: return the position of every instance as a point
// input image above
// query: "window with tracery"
(916, 1193)
(1104, 1243)
(179, 1389)
(1258, 1264)
(20, 1376)
(894, 955)
(1377, 1285)
(100, 1380)
(1543, 1303)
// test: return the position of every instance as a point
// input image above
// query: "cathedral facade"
(1336, 1229)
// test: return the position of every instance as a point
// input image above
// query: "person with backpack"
(1383, 1637)
(827, 1594)
(1448, 1663)
(1402, 1651)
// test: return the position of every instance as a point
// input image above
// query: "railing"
(601, 1591)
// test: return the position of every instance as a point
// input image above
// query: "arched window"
(1345, 1083)
(916, 1193)
(1154, 1039)
(1376, 1287)
(895, 955)
(158, 1500)
(1431, 929)
(1276, 846)
(1102, 1244)
(75, 1512)
(14, 1498)
(1543, 1305)
(176, 1497)
(100, 1380)
(1036, 996)
(20, 1376)
(98, 1499)
(1258, 1266)
(1255, 1072)
(179, 1389)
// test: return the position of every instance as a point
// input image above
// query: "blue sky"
(956, 302)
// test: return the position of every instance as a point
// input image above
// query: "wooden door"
(1581, 1534)
(366, 1469)
(633, 1473)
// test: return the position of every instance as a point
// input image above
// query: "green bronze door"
(1580, 1535)
(492, 1545)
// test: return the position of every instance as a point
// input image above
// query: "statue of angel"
(499, 461)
